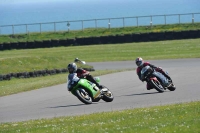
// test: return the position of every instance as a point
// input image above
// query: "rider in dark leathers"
(140, 63)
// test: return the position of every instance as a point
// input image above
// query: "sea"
(26, 16)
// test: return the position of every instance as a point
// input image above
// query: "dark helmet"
(139, 61)
(72, 67)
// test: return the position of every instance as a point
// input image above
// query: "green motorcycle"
(86, 91)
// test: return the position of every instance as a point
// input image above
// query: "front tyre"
(157, 85)
(172, 88)
(83, 96)
(107, 95)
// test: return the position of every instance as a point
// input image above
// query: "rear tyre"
(157, 85)
(107, 95)
(83, 96)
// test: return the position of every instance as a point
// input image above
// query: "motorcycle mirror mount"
(83, 62)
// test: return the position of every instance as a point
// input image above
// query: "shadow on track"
(141, 94)
(71, 105)
(144, 93)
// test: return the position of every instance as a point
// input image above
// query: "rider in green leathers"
(81, 73)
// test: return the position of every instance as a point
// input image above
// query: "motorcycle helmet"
(139, 61)
(72, 67)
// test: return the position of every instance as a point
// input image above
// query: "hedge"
(37, 73)
(126, 38)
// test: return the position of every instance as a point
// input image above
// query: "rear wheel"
(83, 96)
(157, 85)
(107, 95)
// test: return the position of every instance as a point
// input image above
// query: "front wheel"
(172, 88)
(107, 94)
(157, 85)
(83, 96)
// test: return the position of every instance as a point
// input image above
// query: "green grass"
(176, 118)
(96, 32)
(59, 57)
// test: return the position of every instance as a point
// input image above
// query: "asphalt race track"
(129, 93)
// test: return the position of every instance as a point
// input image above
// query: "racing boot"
(149, 87)
(99, 86)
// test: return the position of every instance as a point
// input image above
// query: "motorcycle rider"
(81, 73)
(140, 63)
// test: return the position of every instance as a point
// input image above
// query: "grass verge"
(179, 118)
(97, 32)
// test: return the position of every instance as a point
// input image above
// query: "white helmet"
(139, 61)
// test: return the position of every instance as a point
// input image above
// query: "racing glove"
(158, 69)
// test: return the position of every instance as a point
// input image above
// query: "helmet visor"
(139, 63)
(70, 70)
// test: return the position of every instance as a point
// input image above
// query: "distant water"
(12, 13)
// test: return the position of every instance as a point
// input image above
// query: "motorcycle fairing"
(154, 78)
(161, 77)
(86, 84)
